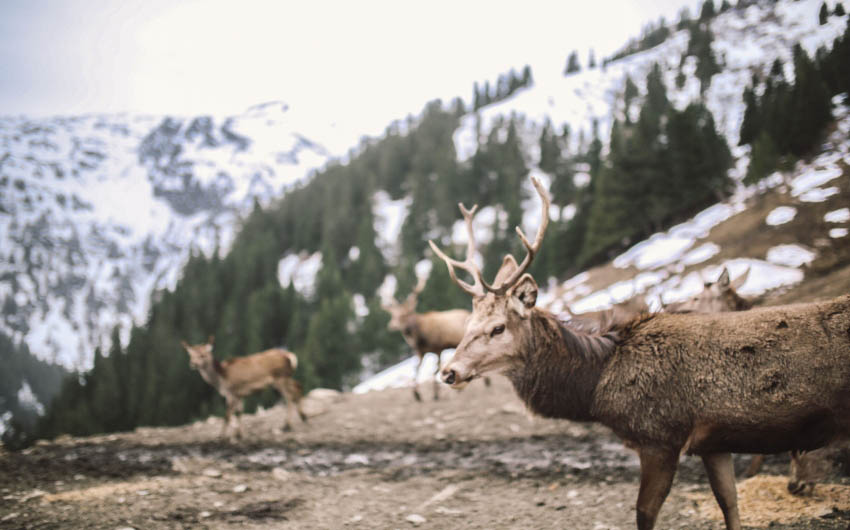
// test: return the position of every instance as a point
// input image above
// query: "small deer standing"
(433, 331)
(237, 378)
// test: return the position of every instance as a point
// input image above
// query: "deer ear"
(211, 340)
(741, 280)
(509, 265)
(523, 296)
(723, 281)
(183, 343)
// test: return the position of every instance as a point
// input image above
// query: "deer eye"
(497, 330)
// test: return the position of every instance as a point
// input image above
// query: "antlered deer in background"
(433, 331)
(760, 381)
(237, 378)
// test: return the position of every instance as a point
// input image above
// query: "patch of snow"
(354, 253)
(300, 270)
(5, 419)
(837, 216)
(361, 310)
(819, 194)
(763, 276)
(836, 233)
(423, 268)
(702, 253)
(386, 290)
(790, 255)
(657, 251)
(780, 215)
(389, 218)
(26, 397)
(482, 225)
(401, 375)
(812, 179)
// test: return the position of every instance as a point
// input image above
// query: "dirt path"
(471, 460)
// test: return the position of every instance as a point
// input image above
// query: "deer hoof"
(286, 428)
(303, 417)
(417, 396)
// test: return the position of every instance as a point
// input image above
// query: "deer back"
(245, 374)
(780, 375)
(437, 330)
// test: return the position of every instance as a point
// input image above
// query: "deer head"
(401, 311)
(500, 310)
(200, 355)
(716, 297)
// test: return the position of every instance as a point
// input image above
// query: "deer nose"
(449, 377)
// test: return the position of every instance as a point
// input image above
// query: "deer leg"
(436, 379)
(755, 466)
(721, 476)
(415, 375)
(290, 392)
(486, 381)
(657, 469)
(238, 409)
(227, 410)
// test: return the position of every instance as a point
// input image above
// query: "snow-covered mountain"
(674, 265)
(98, 211)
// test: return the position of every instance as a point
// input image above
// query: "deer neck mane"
(559, 367)
(213, 373)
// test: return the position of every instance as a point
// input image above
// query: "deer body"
(760, 381)
(237, 378)
(433, 331)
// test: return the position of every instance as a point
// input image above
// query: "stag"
(237, 378)
(760, 381)
(433, 331)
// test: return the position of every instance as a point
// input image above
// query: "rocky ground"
(473, 459)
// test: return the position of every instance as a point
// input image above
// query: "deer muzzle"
(453, 378)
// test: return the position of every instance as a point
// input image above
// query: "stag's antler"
(531, 249)
(480, 287)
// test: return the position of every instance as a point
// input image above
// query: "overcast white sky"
(357, 62)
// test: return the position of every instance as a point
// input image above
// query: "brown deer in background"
(715, 297)
(760, 381)
(433, 331)
(237, 378)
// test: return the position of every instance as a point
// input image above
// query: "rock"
(415, 519)
(281, 474)
(9, 516)
(240, 488)
(212, 472)
(356, 458)
(356, 519)
(205, 514)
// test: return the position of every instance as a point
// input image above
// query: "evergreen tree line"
(20, 367)
(786, 120)
(660, 169)
(656, 33)
(505, 86)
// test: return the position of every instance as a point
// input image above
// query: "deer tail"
(293, 360)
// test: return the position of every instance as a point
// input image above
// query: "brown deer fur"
(237, 378)
(433, 331)
(761, 381)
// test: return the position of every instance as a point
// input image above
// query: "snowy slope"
(673, 265)
(98, 211)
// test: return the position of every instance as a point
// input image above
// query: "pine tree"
(572, 64)
(591, 60)
(764, 159)
(707, 11)
(823, 14)
(839, 10)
